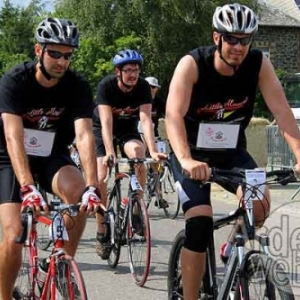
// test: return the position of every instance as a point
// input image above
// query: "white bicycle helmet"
(57, 31)
(235, 18)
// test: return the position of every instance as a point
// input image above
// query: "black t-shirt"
(125, 106)
(51, 109)
(227, 99)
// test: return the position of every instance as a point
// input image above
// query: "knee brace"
(198, 231)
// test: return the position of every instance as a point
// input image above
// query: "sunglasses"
(57, 54)
(153, 87)
(232, 40)
(130, 71)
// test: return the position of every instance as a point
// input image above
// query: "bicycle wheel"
(169, 192)
(24, 286)
(69, 280)
(175, 290)
(114, 201)
(264, 279)
(139, 240)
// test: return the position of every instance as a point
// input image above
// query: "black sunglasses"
(57, 54)
(233, 40)
(153, 87)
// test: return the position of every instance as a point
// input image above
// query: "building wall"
(283, 46)
(288, 7)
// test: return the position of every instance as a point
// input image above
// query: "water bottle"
(124, 203)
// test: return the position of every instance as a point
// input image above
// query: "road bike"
(160, 182)
(62, 278)
(131, 223)
(161, 188)
(252, 274)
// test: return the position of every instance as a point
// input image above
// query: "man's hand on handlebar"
(91, 200)
(158, 156)
(32, 198)
(197, 170)
(108, 158)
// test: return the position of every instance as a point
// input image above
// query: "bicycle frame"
(134, 187)
(238, 256)
(58, 234)
(241, 266)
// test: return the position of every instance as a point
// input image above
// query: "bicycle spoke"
(139, 243)
(114, 202)
(265, 280)
(169, 194)
(24, 288)
(70, 284)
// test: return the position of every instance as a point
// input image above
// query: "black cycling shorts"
(43, 168)
(119, 141)
(191, 193)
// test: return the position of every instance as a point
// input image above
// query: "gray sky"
(16, 2)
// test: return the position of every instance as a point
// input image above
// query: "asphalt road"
(104, 283)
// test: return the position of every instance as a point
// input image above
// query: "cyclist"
(123, 99)
(158, 111)
(43, 106)
(213, 88)
(158, 105)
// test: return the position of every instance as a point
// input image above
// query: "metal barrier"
(279, 153)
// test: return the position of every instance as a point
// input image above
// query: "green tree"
(166, 29)
(17, 31)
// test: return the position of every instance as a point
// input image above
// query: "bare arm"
(14, 135)
(85, 143)
(178, 101)
(147, 125)
(275, 99)
(106, 119)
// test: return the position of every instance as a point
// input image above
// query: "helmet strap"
(42, 66)
(219, 48)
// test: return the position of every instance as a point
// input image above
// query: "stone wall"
(283, 44)
(256, 139)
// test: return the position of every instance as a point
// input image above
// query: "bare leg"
(133, 149)
(193, 268)
(10, 258)
(193, 263)
(102, 172)
(68, 183)
(261, 208)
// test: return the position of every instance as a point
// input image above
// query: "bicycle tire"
(70, 283)
(25, 285)
(169, 193)
(274, 279)
(114, 201)
(139, 239)
(175, 290)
